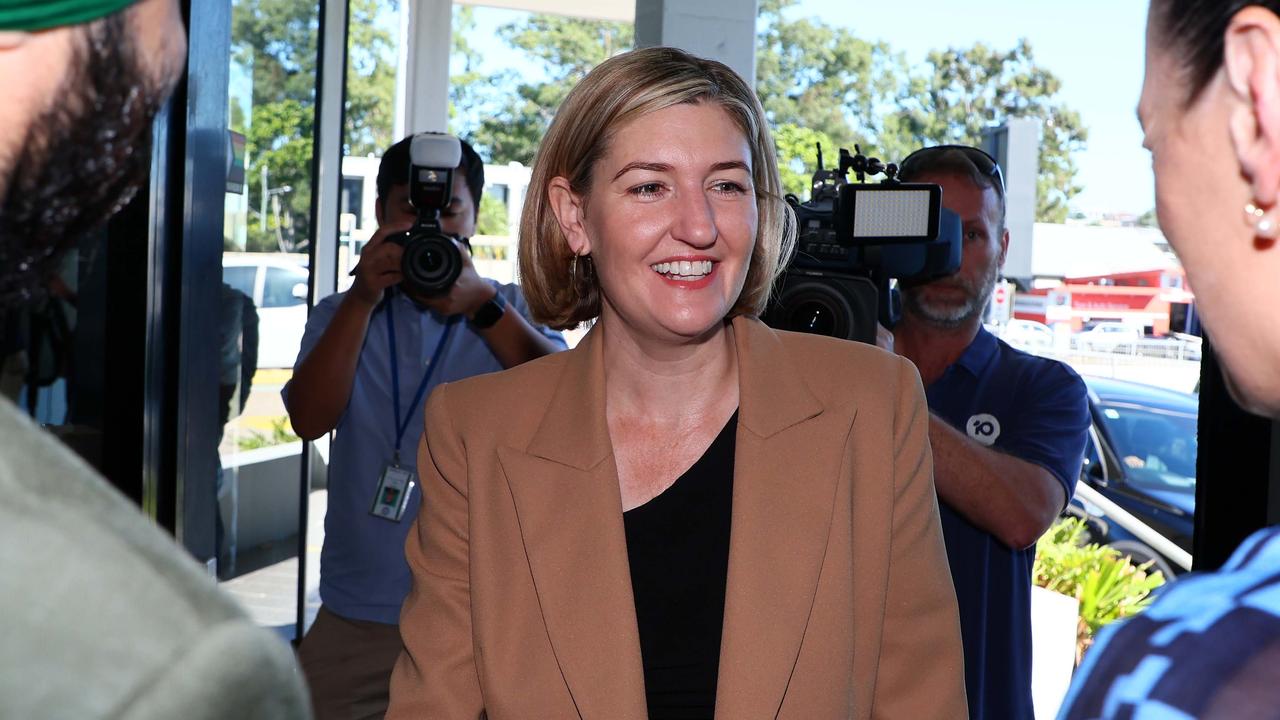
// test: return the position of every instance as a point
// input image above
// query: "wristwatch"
(489, 313)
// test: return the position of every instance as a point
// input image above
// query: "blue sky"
(1094, 46)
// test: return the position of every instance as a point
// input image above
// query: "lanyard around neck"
(403, 424)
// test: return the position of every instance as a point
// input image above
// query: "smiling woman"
(680, 517)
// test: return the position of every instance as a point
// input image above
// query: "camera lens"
(838, 306)
(431, 261)
(430, 264)
(812, 317)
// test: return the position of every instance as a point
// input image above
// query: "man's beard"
(951, 315)
(82, 161)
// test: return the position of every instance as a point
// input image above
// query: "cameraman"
(1007, 428)
(344, 379)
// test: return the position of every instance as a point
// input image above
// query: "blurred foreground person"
(1210, 108)
(104, 615)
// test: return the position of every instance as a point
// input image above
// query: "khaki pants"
(348, 666)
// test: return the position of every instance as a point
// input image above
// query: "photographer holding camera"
(1007, 429)
(375, 352)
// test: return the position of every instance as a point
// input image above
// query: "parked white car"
(1027, 334)
(278, 287)
(1110, 337)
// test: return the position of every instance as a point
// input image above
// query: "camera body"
(854, 240)
(431, 261)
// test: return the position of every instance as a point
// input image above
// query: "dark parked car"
(1142, 456)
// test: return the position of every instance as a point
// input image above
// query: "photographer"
(369, 354)
(1007, 430)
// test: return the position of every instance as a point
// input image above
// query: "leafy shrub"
(1106, 584)
(280, 435)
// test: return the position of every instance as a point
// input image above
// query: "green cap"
(45, 14)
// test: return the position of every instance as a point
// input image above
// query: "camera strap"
(402, 425)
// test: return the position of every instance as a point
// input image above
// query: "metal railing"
(1118, 515)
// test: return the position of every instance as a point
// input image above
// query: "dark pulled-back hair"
(394, 169)
(1195, 32)
(959, 161)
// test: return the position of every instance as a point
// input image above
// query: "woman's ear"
(1252, 63)
(570, 210)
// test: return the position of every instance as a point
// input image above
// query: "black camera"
(431, 261)
(856, 239)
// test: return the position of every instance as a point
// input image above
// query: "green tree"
(814, 76)
(958, 93)
(815, 81)
(275, 41)
(797, 156)
(510, 116)
(371, 78)
(823, 78)
(493, 216)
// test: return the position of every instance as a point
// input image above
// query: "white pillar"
(422, 83)
(723, 30)
(1016, 146)
(328, 186)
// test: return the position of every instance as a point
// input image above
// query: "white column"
(328, 186)
(422, 84)
(723, 30)
(1016, 146)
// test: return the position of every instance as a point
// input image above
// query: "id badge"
(392, 496)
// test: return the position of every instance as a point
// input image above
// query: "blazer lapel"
(788, 458)
(565, 488)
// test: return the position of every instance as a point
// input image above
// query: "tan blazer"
(839, 601)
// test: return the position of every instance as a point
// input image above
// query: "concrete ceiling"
(624, 10)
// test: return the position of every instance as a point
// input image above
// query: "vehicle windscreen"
(1156, 446)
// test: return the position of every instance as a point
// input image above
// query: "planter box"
(1054, 619)
(259, 497)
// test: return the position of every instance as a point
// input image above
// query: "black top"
(678, 548)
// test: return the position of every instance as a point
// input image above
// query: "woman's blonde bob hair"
(562, 292)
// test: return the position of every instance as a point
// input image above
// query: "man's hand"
(468, 294)
(379, 266)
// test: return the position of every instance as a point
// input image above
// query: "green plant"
(280, 435)
(493, 216)
(1107, 586)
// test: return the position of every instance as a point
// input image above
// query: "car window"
(1157, 447)
(240, 277)
(278, 290)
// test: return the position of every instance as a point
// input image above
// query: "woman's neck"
(669, 382)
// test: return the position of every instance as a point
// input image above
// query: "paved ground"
(270, 593)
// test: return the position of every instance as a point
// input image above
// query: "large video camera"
(855, 239)
(431, 261)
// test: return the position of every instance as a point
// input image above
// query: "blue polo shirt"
(363, 572)
(1037, 410)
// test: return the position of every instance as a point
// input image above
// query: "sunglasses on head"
(986, 164)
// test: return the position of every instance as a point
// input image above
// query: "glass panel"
(241, 277)
(267, 235)
(284, 287)
(373, 48)
(51, 363)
